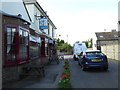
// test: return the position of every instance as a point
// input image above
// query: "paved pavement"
(53, 72)
(52, 77)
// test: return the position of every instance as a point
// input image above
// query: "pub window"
(11, 32)
(23, 35)
(34, 50)
(46, 46)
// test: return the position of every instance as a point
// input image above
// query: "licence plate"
(96, 60)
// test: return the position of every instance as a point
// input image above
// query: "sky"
(78, 20)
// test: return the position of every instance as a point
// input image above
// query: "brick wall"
(11, 73)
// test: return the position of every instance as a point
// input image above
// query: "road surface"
(93, 78)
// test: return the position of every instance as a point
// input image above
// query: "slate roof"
(103, 36)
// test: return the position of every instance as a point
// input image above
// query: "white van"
(77, 49)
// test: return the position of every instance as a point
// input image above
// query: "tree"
(63, 46)
(60, 42)
(89, 43)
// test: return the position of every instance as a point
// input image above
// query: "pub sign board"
(43, 23)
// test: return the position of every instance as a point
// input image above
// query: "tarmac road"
(94, 78)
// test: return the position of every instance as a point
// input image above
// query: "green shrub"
(65, 78)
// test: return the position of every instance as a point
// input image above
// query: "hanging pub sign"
(43, 23)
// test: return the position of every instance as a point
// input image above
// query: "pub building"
(15, 39)
(15, 45)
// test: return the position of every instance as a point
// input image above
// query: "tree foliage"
(63, 46)
(89, 43)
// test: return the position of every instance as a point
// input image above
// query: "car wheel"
(83, 67)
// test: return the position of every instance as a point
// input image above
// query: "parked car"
(93, 59)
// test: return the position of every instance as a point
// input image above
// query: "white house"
(36, 13)
(14, 7)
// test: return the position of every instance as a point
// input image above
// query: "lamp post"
(67, 43)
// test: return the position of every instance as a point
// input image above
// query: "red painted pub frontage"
(15, 46)
(15, 40)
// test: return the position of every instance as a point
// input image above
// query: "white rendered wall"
(14, 7)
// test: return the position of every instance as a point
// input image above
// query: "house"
(47, 34)
(108, 43)
(15, 7)
(119, 26)
(23, 41)
(15, 39)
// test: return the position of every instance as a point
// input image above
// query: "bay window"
(11, 44)
(16, 45)
(23, 35)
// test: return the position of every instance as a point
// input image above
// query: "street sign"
(43, 23)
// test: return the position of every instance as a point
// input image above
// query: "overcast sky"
(80, 19)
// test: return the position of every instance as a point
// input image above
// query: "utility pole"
(67, 43)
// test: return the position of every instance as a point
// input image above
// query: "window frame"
(17, 61)
(6, 62)
(28, 57)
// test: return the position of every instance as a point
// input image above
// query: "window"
(16, 45)
(34, 50)
(46, 46)
(23, 37)
(94, 53)
(11, 43)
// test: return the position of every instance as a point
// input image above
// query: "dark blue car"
(93, 59)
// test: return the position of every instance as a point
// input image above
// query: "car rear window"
(94, 53)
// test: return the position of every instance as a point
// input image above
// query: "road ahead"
(94, 78)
